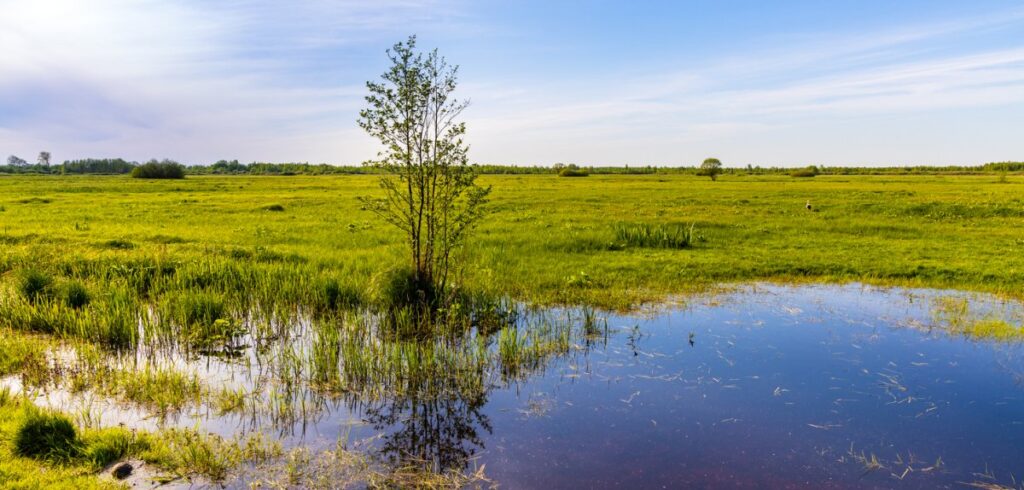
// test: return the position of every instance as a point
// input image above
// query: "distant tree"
(810, 171)
(44, 159)
(573, 170)
(16, 162)
(429, 188)
(711, 167)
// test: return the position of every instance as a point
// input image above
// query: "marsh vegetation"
(253, 329)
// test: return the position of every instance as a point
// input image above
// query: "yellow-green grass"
(543, 235)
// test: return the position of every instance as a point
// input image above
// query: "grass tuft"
(46, 435)
(34, 284)
(75, 295)
(119, 244)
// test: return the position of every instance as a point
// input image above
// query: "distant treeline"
(225, 167)
(87, 166)
(262, 168)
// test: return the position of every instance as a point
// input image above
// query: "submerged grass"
(955, 315)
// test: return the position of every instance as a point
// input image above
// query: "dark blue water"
(825, 387)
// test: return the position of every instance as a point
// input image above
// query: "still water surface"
(765, 387)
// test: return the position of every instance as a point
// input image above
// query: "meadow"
(546, 240)
(107, 267)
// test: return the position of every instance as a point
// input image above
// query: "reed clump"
(646, 235)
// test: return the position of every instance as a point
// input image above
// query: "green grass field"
(88, 261)
(548, 239)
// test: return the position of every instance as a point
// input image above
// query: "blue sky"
(601, 83)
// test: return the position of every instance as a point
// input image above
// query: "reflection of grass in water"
(955, 315)
(347, 467)
(184, 453)
(81, 367)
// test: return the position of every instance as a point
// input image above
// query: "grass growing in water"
(955, 315)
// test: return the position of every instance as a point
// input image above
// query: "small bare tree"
(44, 159)
(430, 191)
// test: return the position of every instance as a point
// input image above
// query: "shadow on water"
(769, 386)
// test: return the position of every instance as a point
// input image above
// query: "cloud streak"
(833, 81)
(200, 81)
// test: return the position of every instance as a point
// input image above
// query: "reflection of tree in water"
(427, 397)
(439, 433)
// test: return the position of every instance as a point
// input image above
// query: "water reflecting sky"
(765, 387)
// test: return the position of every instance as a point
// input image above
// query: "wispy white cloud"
(283, 81)
(187, 79)
(827, 80)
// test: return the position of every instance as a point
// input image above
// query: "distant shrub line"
(234, 167)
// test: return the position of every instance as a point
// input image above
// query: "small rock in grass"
(122, 471)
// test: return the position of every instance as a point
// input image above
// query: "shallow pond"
(764, 387)
(780, 387)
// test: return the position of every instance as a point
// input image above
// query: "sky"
(792, 83)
